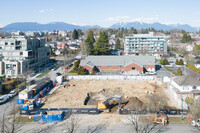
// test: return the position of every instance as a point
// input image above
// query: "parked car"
(3, 99)
(196, 123)
(151, 73)
(58, 74)
(32, 82)
(70, 65)
(12, 93)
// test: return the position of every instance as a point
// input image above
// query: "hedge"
(171, 70)
(193, 68)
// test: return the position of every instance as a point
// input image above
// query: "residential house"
(184, 86)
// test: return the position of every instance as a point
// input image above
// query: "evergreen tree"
(135, 31)
(90, 41)
(102, 47)
(179, 71)
(75, 34)
(166, 62)
(181, 62)
(177, 63)
(117, 45)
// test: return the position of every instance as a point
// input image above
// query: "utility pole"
(182, 106)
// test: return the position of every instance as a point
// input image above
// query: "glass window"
(6, 43)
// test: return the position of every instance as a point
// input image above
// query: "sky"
(100, 12)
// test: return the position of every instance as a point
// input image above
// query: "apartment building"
(18, 54)
(147, 44)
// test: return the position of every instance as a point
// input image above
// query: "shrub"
(193, 68)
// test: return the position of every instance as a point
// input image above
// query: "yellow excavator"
(104, 105)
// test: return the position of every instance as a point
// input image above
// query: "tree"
(10, 125)
(177, 63)
(90, 42)
(102, 47)
(186, 38)
(75, 34)
(81, 71)
(140, 124)
(195, 109)
(179, 71)
(189, 101)
(76, 64)
(181, 62)
(156, 102)
(72, 124)
(117, 45)
(164, 61)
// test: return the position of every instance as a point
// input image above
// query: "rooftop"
(118, 60)
(187, 80)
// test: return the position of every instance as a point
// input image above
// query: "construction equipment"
(160, 118)
(104, 105)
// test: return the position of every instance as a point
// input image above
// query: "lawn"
(178, 120)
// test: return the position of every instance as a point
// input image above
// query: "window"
(133, 68)
(194, 87)
(0, 47)
(109, 66)
(99, 66)
(119, 66)
(21, 53)
(12, 43)
(6, 43)
(7, 66)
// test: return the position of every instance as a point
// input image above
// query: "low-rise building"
(137, 64)
(146, 44)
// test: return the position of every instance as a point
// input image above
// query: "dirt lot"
(75, 92)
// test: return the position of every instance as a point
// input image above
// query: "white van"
(4, 98)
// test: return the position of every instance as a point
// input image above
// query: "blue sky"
(100, 12)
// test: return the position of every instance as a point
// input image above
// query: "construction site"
(106, 94)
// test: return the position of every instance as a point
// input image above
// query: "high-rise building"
(19, 54)
(145, 44)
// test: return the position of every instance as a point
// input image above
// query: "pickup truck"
(3, 99)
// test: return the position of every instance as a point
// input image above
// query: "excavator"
(104, 105)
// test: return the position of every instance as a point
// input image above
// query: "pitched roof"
(118, 60)
(187, 80)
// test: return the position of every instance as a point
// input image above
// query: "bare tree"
(72, 124)
(195, 109)
(140, 124)
(96, 129)
(11, 124)
(156, 102)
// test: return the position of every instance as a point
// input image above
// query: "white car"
(151, 73)
(12, 93)
(196, 123)
(3, 99)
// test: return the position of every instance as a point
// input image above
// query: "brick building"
(139, 64)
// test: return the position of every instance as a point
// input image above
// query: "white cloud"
(43, 10)
(129, 19)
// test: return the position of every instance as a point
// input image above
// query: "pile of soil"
(133, 104)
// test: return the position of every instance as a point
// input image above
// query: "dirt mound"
(134, 103)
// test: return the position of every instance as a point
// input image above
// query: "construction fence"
(111, 77)
(168, 112)
(92, 111)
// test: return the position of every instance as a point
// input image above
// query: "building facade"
(19, 54)
(127, 63)
(147, 44)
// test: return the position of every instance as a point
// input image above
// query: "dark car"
(32, 82)
(58, 74)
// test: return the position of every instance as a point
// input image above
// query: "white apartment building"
(147, 44)
(19, 54)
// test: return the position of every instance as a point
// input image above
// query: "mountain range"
(33, 26)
